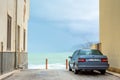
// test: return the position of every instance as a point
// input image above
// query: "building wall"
(110, 31)
(3, 20)
(16, 57)
(8, 7)
(22, 20)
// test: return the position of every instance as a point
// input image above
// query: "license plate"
(93, 60)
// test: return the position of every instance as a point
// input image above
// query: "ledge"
(113, 73)
(8, 74)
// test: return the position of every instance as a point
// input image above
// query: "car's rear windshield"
(90, 52)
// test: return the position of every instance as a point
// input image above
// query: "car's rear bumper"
(92, 67)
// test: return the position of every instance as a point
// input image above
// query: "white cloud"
(67, 9)
(61, 24)
(81, 15)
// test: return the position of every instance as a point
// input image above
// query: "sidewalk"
(8, 74)
(113, 73)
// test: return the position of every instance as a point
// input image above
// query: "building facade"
(14, 16)
(110, 31)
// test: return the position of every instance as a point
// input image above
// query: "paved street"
(60, 75)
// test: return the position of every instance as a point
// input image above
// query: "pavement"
(8, 74)
(60, 75)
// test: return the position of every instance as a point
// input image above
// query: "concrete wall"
(8, 61)
(110, 31)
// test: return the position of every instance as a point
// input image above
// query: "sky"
(62, 25)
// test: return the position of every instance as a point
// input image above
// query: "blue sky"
(62, 25)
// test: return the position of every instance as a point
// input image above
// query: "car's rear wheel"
(70, 68)
(103, 71)
(76, 71)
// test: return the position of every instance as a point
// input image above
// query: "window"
(24, 12)
(74, 55)
(18, 38)
(90, 52)
(9, 24)
(24, 39)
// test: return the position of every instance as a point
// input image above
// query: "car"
(88, 59)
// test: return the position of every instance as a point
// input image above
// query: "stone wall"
(10, 61)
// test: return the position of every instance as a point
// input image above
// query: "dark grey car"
(88, 59)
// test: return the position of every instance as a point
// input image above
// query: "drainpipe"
(15, 65)
(1, 57)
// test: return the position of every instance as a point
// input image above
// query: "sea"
(55, 60)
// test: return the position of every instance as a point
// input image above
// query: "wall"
(8, 7)
(110, 31)
(13, 59)
(3, 21)
(8, 62)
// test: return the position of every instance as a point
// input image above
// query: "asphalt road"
(59, 75)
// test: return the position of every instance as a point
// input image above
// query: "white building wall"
(11, 7)
(8, 7)
(3, 17)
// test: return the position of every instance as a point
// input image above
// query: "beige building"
(110, 31)
(14, 16)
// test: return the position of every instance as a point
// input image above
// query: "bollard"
(46, 63)
(66, 63)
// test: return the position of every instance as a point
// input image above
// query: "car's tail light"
(104, 60)
(81, 60)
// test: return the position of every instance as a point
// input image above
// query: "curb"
(8, 74)
(113, 73)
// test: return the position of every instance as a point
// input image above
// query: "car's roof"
(87, 49)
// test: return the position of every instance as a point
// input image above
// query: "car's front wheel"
(70, 68)
(102, 71)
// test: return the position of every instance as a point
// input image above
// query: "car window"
(74, 54)
(90, 52)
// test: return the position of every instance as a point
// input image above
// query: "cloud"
(66, 9)
(72, 13)
(64, 22)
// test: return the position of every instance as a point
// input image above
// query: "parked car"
(88, 59)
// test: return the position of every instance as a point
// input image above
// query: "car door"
(72, 63)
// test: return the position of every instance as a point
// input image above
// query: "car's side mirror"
(70, 57)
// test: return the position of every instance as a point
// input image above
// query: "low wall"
(10, 61)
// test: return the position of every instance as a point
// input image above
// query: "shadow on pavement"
(93, 73)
